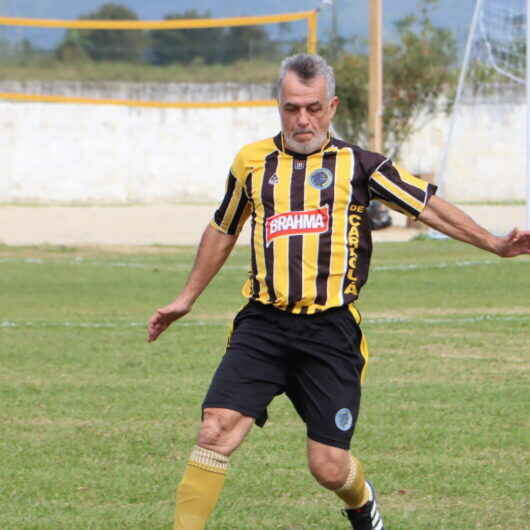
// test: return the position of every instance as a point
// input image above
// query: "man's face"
(305, 112)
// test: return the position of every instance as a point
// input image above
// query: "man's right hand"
(213, 250)
(164, 317)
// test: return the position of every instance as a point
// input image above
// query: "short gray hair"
(308, 66)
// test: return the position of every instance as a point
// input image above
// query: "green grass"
(96, 424)
(256, 71)
(512, 202)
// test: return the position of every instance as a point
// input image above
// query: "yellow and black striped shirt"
(311, 239)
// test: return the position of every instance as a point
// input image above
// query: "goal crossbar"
(160, 24)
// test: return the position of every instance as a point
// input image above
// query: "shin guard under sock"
(199, 490)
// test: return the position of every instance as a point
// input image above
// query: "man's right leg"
(252, 371)
(222, 432)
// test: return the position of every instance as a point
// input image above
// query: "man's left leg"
(337, 470)
(325, 388)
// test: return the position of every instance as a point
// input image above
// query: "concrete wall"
(487, 157)
(90, 153)
(108, 154)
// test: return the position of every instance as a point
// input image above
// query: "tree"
(72, 49)
(186, 45)
(419, 77)
(247, 42)
(105, 45)
(211, 45)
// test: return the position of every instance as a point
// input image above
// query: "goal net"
(60, 60)
(486, 159)
(120, 110)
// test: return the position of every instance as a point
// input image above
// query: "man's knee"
(223, 430)
(329, 465)
(329, 474)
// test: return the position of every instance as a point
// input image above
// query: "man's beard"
(305, 148)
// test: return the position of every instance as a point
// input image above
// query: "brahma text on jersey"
(297, 223)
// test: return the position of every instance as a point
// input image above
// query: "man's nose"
(303, 118)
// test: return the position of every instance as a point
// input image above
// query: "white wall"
(486, 158)
(91, 153)
(110, 154)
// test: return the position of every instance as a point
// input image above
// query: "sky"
(352, 15)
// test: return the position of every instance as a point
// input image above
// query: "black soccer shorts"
(317, 360)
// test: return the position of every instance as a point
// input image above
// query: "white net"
(486, 155)
(497, 66)
(111, 45)
(112, 109)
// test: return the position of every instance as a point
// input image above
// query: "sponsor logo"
(321, 178)
(274, 179)
(299, 164)
(296, 223)
(344, 419)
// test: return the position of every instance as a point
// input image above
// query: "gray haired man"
(307, 195)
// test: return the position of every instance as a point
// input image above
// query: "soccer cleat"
(367, 517)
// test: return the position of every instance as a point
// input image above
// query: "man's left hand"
(517, 242)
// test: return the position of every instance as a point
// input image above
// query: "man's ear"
(334, 103)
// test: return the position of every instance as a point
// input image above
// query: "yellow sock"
(199, 490)
(354, 492)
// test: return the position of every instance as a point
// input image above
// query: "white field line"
(92, 325)
(186, 266)
(204, 323)
(124, 264)
(440, 265)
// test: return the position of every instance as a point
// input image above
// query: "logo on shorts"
(321, 178)
(297, 223)
(344, 419)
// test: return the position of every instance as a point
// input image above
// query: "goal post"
(486, 159)
(528, 114)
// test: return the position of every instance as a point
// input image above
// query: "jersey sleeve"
(399, 190)
(235, 207)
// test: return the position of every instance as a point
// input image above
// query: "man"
(307, 194)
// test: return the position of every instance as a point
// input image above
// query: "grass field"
(96, 424)
(256, 71)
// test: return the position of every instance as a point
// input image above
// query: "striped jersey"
(310, 236)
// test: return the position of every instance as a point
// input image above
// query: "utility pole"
(375, 96)
(334, 32)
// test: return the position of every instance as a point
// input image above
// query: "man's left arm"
(453, 222)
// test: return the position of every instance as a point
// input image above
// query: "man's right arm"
(214, 249)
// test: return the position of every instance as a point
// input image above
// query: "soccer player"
(307, 194)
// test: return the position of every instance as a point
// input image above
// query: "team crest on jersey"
(297, 223)
(299, 164)
(321, 178)
(274, 179)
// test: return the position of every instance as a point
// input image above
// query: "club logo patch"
(299, 164)
(321, 178)
(344, 419)
(297, 223)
